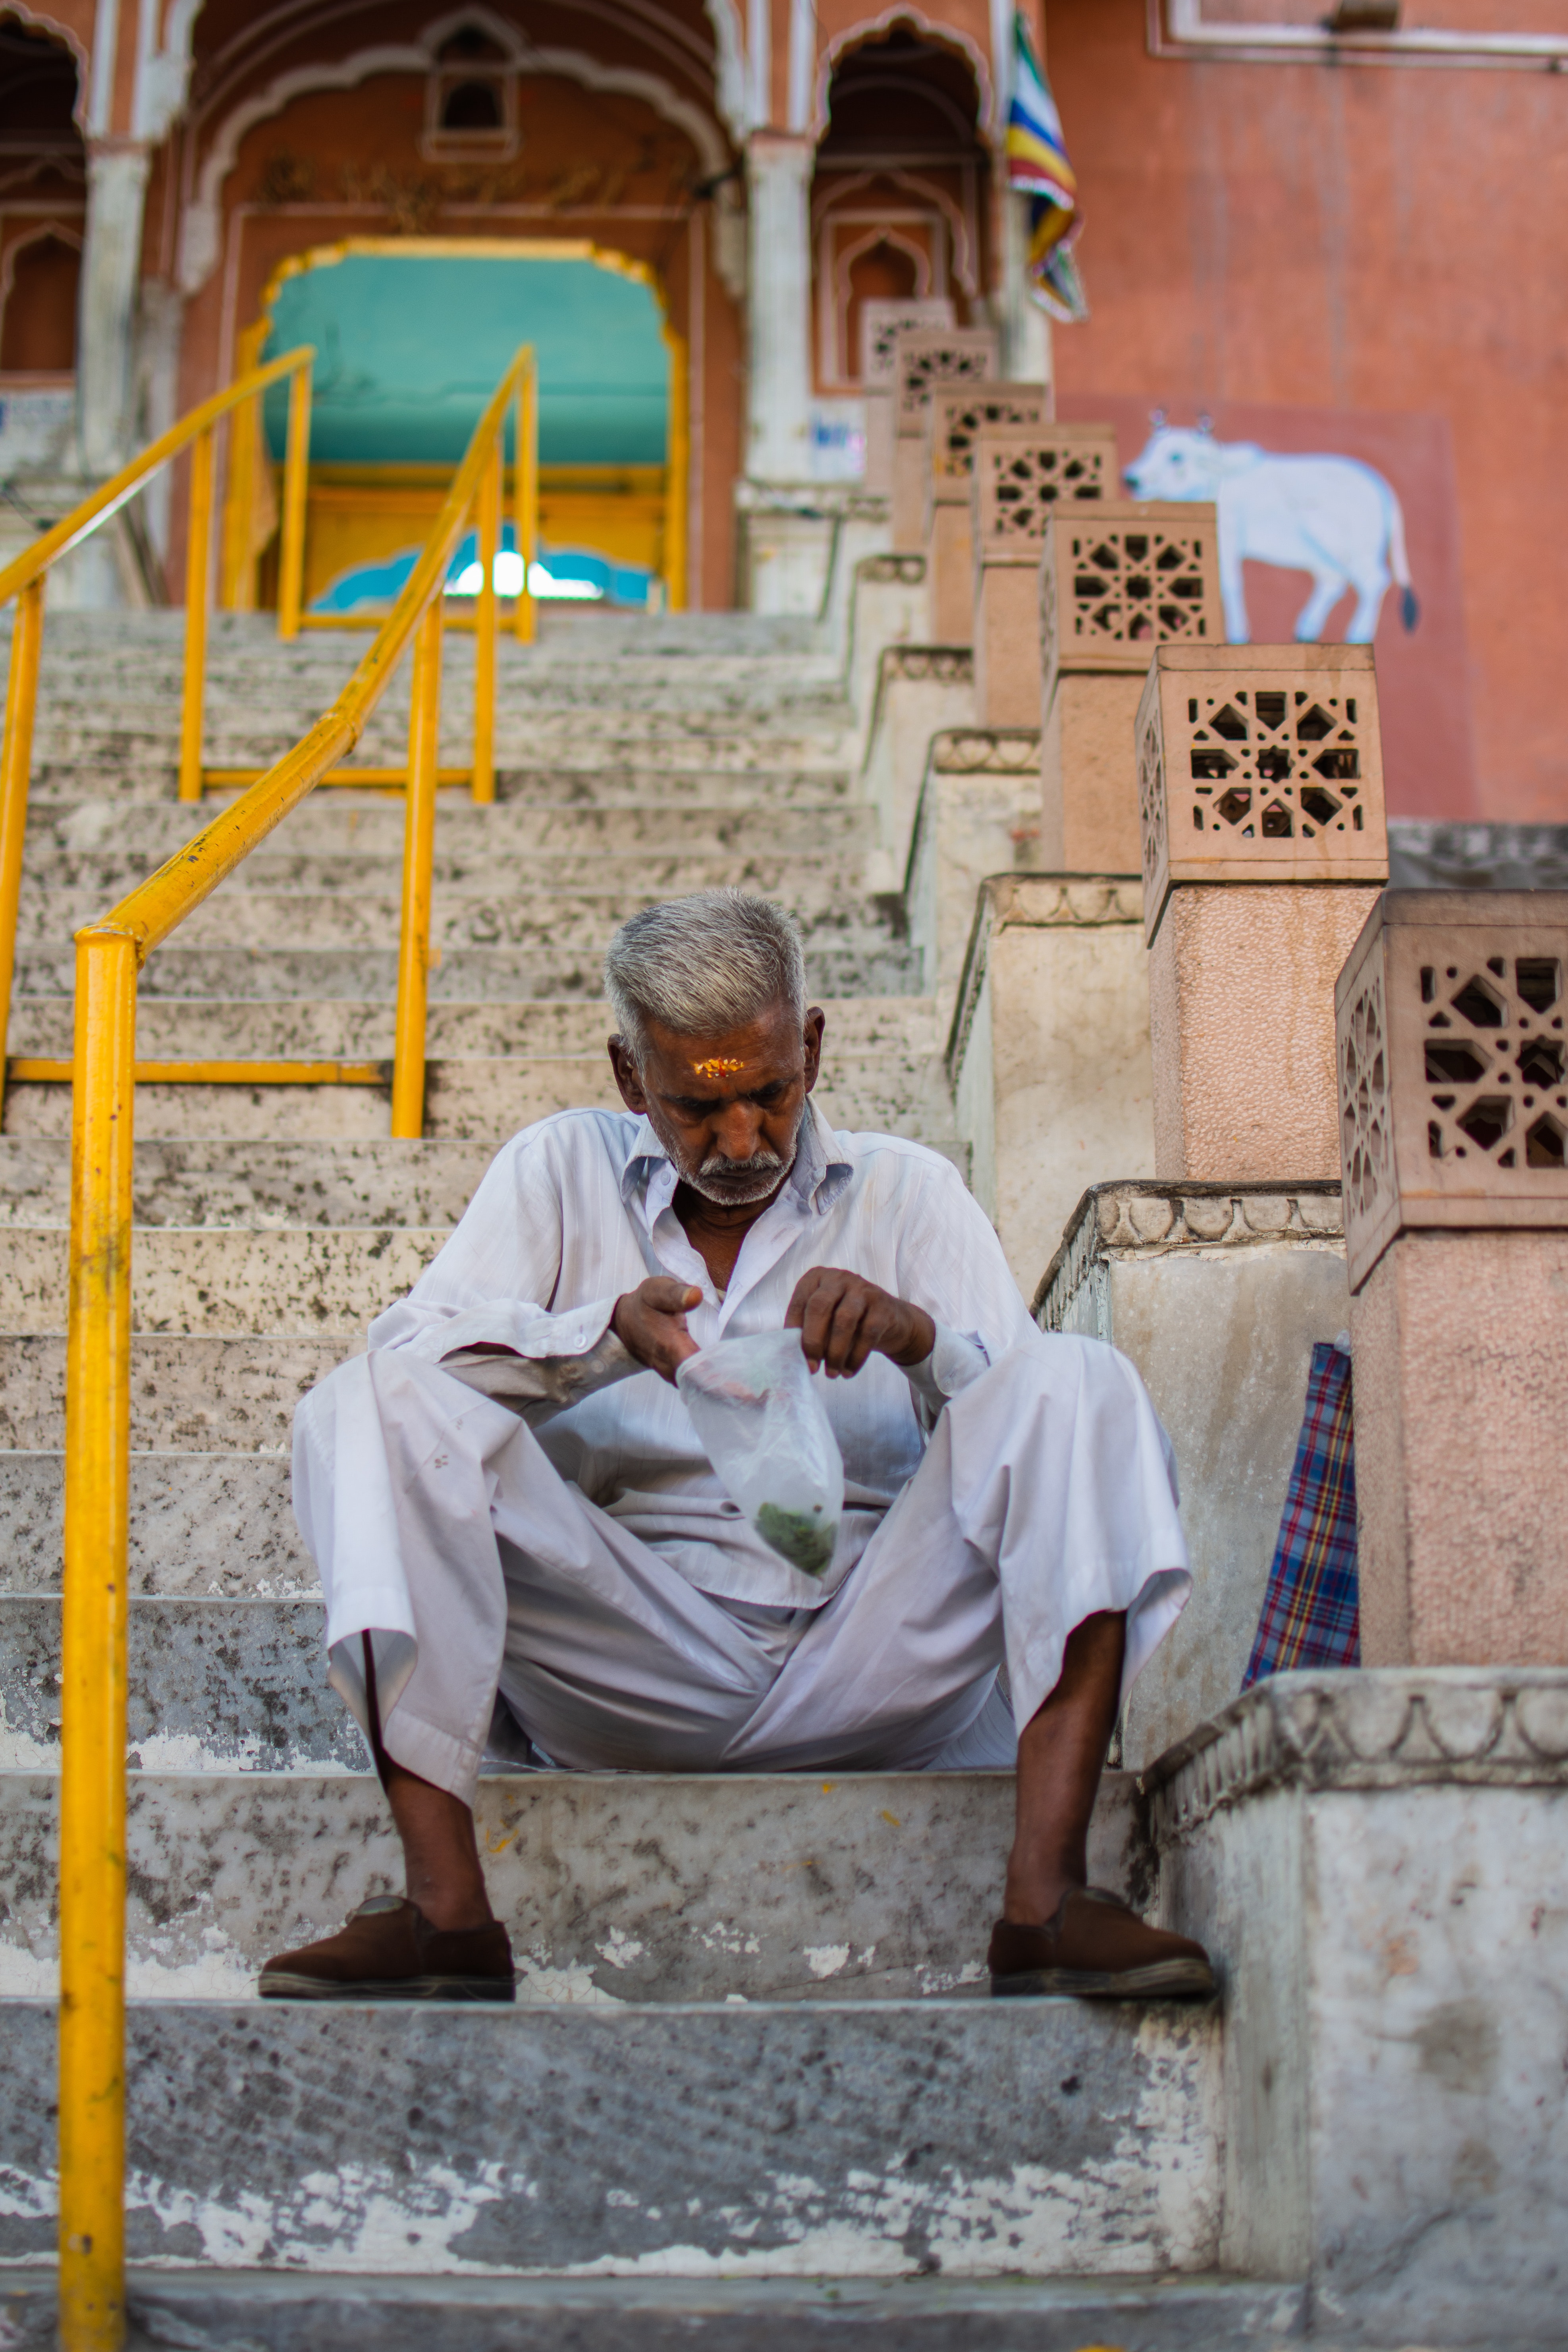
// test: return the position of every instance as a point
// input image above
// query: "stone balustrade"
(882, 321)
(1021, 473)
(926, 357)
(1265, 844)
(1113, 584)
(957, 416)
(1453, 1101)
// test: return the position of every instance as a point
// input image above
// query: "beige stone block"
(1453, 1083)
(1241, 994)
(1088, 774)
(976, 818)
(1259, 763)
(922, 691)
(1118, 581)
(1217, 1294)
(950, 571)
(1461, 1404)
(923, 359)
(1006, 647)
(1049, 1051)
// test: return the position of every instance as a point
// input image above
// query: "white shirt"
(576, 1211)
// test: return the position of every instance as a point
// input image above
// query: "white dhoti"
(442, 1528)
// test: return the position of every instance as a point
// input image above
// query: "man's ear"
(816, 1022)
(626, 1077)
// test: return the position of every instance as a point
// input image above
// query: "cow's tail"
(1399, 562)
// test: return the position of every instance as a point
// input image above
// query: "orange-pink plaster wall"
(1390, 238)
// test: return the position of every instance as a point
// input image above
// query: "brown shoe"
(389, 1951)
(1099, 1948)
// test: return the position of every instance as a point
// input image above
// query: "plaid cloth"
(1311, 1611)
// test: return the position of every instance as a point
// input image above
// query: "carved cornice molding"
(985, 751)
(909, 571)
(1141, 1217)
(1034, 902)
(1379, 1727)
(936, 665)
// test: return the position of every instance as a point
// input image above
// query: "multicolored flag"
(1037, 165)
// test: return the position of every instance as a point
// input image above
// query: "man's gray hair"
(703, 965)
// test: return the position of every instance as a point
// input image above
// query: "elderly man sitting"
(520, 1538)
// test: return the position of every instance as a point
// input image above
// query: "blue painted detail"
(409, 347)
(365, 586)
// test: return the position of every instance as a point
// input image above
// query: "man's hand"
(650, 1323)
(842, 1320)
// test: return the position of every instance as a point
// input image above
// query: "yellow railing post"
(92, 1669)
(525, 477)
(295, 476)
(484, 787)
(16, 768)
(677, 463)
(418, 852)
(198, 545)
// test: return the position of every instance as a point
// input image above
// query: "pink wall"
(1384, 239)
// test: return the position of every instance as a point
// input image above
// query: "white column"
(1025, 328)
(778, 176)
(110, 269)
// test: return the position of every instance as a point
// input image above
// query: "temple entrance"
(411, 339)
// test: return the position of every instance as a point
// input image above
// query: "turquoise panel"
(410, 347)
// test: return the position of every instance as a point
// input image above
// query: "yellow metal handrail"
(110, 955)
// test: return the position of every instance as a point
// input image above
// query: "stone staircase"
(750, 2087)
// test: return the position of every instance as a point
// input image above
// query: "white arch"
(730, 79)
(62, 232)
(162, 70)
(941, 36)
(200, 235)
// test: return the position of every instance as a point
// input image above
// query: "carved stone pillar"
(110, 265)
(927, 357)
(778, 177)
(1022, 473)
(1453, 1089)
(1113, 584)
(1265, 844)
(957, 417)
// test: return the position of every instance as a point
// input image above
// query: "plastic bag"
(766, 1431)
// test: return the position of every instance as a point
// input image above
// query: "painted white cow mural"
(1333, 516)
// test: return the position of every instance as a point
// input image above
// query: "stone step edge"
(377, 2312)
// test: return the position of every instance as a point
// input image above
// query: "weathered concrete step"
(575, 923)
(235, 1686)
(294, 1278)
(568, 739)
(221, 1182)
(862, 2139)
(203, 2308)
(616, 1887)
(479, 872)
(482, 1099)
(168, 1029)
(335, 823)
(122, 777)
(230, 1395)
(464, 976)
(207, 1525)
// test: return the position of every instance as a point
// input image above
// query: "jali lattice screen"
(1020, 474)
(1132, 576)
(965, 355)
(1259, 763)
(1453, 1065)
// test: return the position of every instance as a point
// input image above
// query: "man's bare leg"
(440, 1852)
(1061, 1754)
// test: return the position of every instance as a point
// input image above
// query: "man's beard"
(732, 1184)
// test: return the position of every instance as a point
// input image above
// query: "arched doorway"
(410, 337)
(900, 197)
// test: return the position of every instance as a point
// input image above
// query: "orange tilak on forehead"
(717, 1068)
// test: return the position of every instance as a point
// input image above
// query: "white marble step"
(231, 1394)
